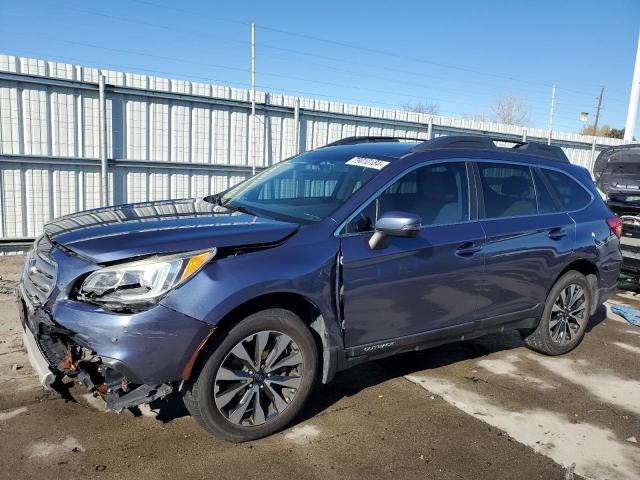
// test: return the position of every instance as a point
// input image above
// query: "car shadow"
(351, 382)
(597, 318)
(356, 379)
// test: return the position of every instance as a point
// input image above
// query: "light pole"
(634, 97)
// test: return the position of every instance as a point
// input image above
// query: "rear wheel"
(256, 378)
(565, 316)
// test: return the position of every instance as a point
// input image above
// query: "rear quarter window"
(572, 195)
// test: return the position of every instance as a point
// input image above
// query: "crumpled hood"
(125, 231)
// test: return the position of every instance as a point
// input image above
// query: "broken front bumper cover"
(53, 355)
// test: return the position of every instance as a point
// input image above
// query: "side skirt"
(525, 319)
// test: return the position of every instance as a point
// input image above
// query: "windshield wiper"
(238, 208)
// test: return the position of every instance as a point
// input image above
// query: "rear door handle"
(468, 249)
(557, 233)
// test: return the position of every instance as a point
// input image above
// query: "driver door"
(414, 285)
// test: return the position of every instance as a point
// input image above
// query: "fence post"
(296, 122)
(104, 173)
(593, 153)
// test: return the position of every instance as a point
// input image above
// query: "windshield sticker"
(368, 163)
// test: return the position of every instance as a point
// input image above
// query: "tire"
(258, 403)
(557, 332)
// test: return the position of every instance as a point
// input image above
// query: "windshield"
(306, 188)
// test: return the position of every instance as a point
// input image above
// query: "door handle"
(468, 249)
(557, 233)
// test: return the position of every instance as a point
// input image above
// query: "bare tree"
(430, 108)
(603, 131)
(511, 110)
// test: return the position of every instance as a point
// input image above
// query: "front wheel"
(256, 378)
(565, 316)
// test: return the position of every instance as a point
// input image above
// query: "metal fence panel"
(170, 138)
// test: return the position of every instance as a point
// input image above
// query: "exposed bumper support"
(37, 360)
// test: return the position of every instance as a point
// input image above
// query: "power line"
(267, 88)
(272, 74)
(360, 47)
(225, 67)
(135, 69)
(121, 50)
(240, 42)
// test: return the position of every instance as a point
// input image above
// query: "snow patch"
(96, 402)
(548, 433)
(627, 347)
(12, 413)
(146, 410)
(507, 367)
(49, 449)
(303, 435)
(606, 386)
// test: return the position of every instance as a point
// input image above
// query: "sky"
(459, 55)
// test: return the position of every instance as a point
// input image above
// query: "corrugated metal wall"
(170, 138)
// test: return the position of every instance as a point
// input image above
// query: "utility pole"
(104, 172)
(595, 126)
(252, 136)
(553, 104)
(634, 97)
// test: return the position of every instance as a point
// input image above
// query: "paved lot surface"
(487, 409)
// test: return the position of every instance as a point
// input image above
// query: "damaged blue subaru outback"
(362, 249)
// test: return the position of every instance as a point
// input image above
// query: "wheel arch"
(590, 270)
(328, 341)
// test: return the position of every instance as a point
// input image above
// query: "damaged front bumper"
(126, 360)
(53, 354)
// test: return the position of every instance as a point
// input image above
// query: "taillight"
(615, 224)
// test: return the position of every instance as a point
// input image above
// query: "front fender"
(296, 267)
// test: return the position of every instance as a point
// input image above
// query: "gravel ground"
(484, 409)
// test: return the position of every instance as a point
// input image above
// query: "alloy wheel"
(568, 314)
(258, 378)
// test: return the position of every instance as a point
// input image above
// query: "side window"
(507, 190)
(438, 193)
(572, 195)
(544, 198)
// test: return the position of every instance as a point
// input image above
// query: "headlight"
(143, 283)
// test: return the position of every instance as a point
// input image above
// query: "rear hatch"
(617, 175)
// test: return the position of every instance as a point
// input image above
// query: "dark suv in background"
(617, 174)
(358, 250)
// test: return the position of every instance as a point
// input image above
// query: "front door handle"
(468, 249)
(557, 233)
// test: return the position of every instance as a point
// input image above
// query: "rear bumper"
(630, 264)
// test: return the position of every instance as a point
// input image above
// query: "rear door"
(528, 241)
(420, 284)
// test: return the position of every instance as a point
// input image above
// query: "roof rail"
(487, 142)
(369, 139)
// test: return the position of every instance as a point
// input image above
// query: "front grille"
(39, 274)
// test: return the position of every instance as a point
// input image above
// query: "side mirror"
(394, 224)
